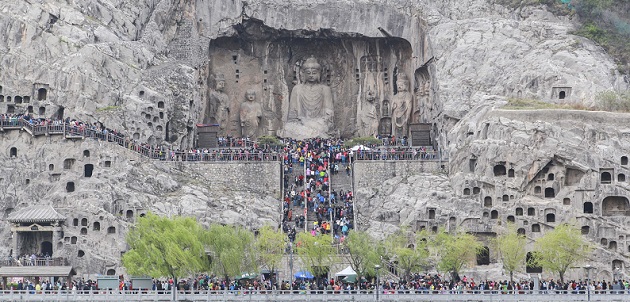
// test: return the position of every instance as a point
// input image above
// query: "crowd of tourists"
(417, 284)
(29, 260)
(309, 166)
(229, 148)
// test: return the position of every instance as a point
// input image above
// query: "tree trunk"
(561, 277)
(511, 276)
(174, 289)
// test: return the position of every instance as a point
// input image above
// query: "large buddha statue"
(217, 108)
(401, 107)
(310, 105)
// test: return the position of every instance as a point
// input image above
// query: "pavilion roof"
(36, 214)
(37, 271)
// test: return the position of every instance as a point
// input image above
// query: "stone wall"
(368, 174)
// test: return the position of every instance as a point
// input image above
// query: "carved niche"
(358, 71)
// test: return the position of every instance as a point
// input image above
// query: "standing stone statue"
(368, 115)
(310, 105)
(217, 109)
(422, 102)
(401, 107)
(250, 114)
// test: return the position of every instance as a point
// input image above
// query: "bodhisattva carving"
(250, 114)
(368, 114)
(310, 105)
(401, 107)
(217, 109)
(422, 103)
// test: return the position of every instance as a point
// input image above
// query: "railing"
(39, 261)
(304, 295)
(397, 155)
(71, 131)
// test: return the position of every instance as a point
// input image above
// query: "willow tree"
(363, 253)
(560, 249)
(270, 246)
(408, 250)
(231, 250)
(511, 247)
(315, 252)
(165, 247)
(455, 250)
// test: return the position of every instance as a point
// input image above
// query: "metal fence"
(39, 261)
(298, 296)
(408, 154)
(70, 130)
(83, 132)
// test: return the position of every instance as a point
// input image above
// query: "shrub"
(366, 141)
(269, 140)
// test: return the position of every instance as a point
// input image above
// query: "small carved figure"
(401, 107)
(310, 105)
(368, 114)
(422, 103)
(250, 114)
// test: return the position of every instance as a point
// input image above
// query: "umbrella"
(350, 279)
(246, 276)
(303, 275)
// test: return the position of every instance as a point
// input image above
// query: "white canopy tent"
(360, 147)
(348, 271)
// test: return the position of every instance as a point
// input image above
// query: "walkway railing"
(296, 296)
(83, 132)
(408, 154)
(39, 261)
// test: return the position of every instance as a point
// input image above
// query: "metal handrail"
(405, 295)
(83, 131)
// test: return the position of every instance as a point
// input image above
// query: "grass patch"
(606, 101)
(108, 108)
(527, 104)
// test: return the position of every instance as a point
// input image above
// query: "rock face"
(155, 69)
(102, 188)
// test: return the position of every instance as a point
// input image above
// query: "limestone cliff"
(150, 70)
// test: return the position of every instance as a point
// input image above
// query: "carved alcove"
(360, 71)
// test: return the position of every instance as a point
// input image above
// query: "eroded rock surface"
(154, 69)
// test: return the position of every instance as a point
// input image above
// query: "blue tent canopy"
(303, 275)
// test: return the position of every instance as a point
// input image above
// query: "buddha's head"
(250, 95)
(402, 83)
(311, 70)
(220, 82)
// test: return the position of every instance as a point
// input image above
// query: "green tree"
(455, 250)
(363, 252)
(408, 250)
(560, 249)
(270, 246)
(511, 247)
(271, 141)
(165, 247)
(231, 250)
(315, 251)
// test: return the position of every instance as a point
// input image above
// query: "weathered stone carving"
(422, 103)
(217, 109)
(401, 107)
(310, 106)
(367, 114)
(250, 114)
